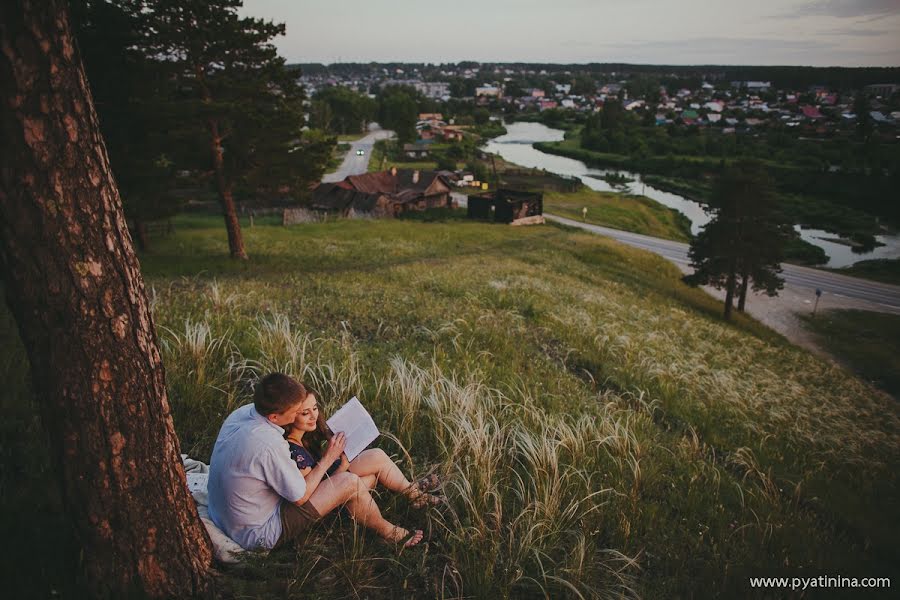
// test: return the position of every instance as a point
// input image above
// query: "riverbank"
(809, 248)
(690, 177)
(883, 270)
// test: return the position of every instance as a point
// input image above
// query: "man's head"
(278, 397)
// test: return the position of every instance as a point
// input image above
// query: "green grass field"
(868, 342)
(883, 270)
(620, 211)
(602, 433)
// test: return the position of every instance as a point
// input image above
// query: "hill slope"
(601, 432)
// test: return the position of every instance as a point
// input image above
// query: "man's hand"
(335, 448)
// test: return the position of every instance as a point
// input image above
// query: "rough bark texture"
(729, 289)
(75, 288)
(742, 296)
(226, 198)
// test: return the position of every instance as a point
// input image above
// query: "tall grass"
(600, 432)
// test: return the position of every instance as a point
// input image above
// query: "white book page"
(357, 424)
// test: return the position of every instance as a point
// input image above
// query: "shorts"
(295, 520)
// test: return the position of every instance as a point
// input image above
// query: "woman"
(305, 437)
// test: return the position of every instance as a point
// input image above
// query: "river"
(516, 147)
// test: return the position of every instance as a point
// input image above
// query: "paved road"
(354, 164)
(803, 280)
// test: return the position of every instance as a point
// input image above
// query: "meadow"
(601, 433)
(628, 212)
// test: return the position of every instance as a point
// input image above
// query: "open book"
(357, 424)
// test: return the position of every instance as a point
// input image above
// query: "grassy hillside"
(868, 342)
(602, 433)
(620, 211)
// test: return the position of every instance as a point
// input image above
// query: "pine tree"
(744, 241)
(231, 81)
(128, 89)
(74, 286)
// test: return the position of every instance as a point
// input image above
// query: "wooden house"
(383, 194)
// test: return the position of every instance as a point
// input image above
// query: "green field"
(868, 342)
(883, 270)
(620, 211)
(601, 431)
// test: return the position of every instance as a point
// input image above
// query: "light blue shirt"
(250, 472)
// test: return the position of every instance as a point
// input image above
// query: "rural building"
(383, 194)
(507, 206)
(416, 150)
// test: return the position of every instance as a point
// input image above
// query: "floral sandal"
(429, 483)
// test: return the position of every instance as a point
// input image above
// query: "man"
(251, 471)
(257, 494)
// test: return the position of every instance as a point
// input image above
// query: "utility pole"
(816, 305)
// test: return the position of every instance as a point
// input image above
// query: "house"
(383, 194)
(507, 206)
(885, 90)
(416, 150)
(811, 112)
(611, 89)
(489, 91)
(450, 134)
(714, 106)
(545, 104)
(433, 89)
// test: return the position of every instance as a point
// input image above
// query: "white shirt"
(250, 472)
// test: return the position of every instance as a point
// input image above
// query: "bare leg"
(347, 489)
(375, 462)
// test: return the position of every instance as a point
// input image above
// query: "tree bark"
(226, 198)
(729, 290)
(75, 288)
(742, 297)
(140, 234)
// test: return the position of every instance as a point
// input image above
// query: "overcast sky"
(751, 32)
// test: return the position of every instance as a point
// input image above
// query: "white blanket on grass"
(225, 549)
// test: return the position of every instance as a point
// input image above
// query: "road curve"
(803, 281)
(353, 163)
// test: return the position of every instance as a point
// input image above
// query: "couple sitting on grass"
(266, 487)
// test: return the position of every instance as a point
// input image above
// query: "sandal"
(429, 483)
(423, 500)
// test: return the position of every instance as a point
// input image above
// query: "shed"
(507, 205)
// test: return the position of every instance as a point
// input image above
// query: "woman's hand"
(335, 448)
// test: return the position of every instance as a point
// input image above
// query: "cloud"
(727, 45)
(846, 9)
(859, 32)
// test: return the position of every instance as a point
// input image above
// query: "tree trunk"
(74, 285)
(226, 198)
(729, 290)
(742, 297)
(140, 233)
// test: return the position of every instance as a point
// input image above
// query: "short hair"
(277, 392)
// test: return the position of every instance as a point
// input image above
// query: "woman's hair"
(277, 392)
(314, 440)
